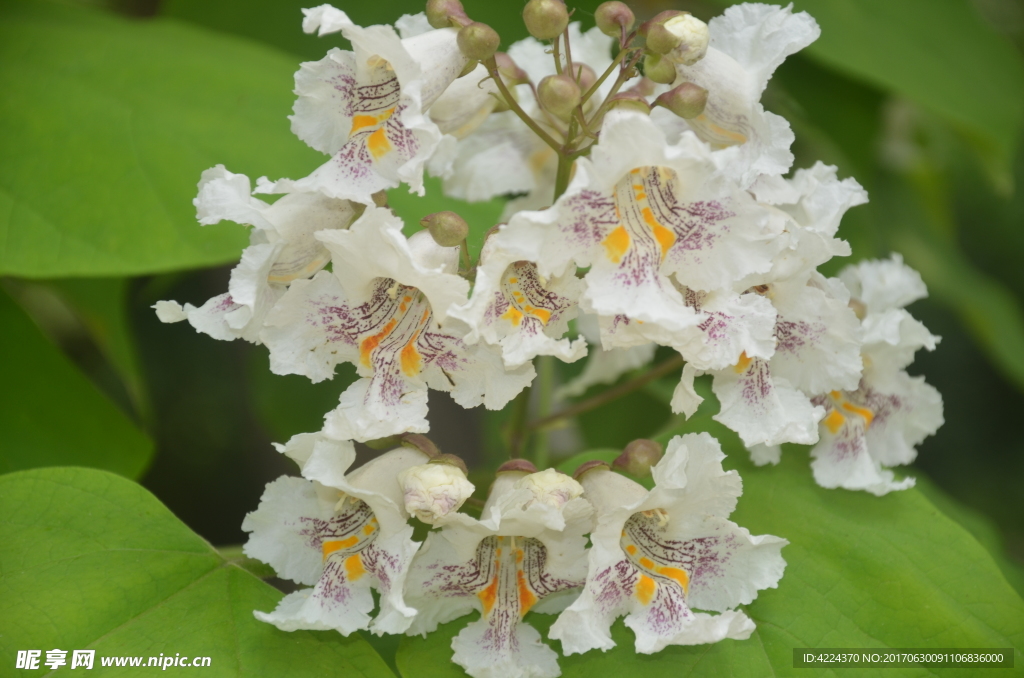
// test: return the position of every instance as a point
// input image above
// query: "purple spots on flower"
(590, 216)
(757, 384)
(794, 336)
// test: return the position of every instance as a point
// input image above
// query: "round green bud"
(659, 70)
(545, 19)
(614, 17)
(517, 466)
(687, 100)
(638, 457)
(478, 41)
(446, 13)
(559, 94)
(447, 228)
(630, 101)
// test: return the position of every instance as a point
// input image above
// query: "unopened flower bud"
(420, 442)
(659, 69)
(613, 17)
(517, 466)
(630, 101)
(551, 487)
(559, 94)
(446, 13)
(682, 39)
(545, 19)
(585, 76)
(435, 489)
(510, 72)
(638, 457)
(588, 466)
(447, 228)
(478, 41)
(380, 198)
(687, 100)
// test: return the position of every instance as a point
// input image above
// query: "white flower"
(282, 249)
(660, 556)
(645, 217)
(693, 35)
(367, 108)
(433, 490)
(341, 533)
(881, 421)
(380, 310)
(512, 306)
(748, 42)
(550, 487)
(512, 561)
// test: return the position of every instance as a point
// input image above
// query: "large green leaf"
(92, 561)
(52, 415)
(862, 571)
(106, 125)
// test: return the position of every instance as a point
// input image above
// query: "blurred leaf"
(289, 404)
(93, 561)
(279, 22)
(942, 55)
(481, 216)
(102, 305)
(52, 415)
(106, 125)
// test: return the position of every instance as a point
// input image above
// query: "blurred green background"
(106, 124)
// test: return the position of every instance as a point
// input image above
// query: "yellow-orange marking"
(743, 363)
(541, 314)
(354, 567)
(664, 236)
(367, 345)
(411, 360)
(734, 137)
(513, 315)
(646, 563)
(631, 549)
(378, 144)
(678, 575)
(330, 547)
(368, 529)
(645, 589)
(513, 280)
(834, 421)
(488, 595)
(616, 244)
(864, 412)
(526, 597)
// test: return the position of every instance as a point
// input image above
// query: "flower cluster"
(653, 209)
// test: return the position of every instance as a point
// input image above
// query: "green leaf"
(102, 305)
(106, 125)
(92, 561)
(52, 415)
(862, 571)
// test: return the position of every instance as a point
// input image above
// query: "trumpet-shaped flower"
(368, 108)
(342, 533)
(669, 556)
(382, 309)
(282, 249)
(526, 551)
(435, 489)
(514, 307)
(645, 217)
(879, 422)
(748, 42)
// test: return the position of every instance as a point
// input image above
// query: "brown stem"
(611, 394)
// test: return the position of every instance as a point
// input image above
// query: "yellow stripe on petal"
(513, 316)
(527, 599)
(354, 567)
(616, 244)
(864, 412)
(489, 595)
(411, 359)
(378, 144)
(743, 364)
(645, 589)
(662, 235)
(367, 345)
(678, 575)
(329, 547)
